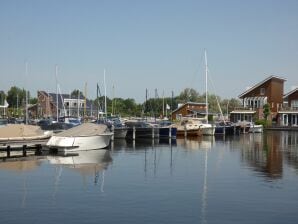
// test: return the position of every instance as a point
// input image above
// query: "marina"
(201, 180)
(111, 112)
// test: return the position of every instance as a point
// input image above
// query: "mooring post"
(170, 133)
(152, 132)
(113, 131)
(134, 133)
(38, 149)
(185, 132)
(8, 151)
(24, 150)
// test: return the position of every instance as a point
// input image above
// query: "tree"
(188, 94)
(266, 111)
(16, 96)
(2, 97)
(33, 100)
(76, 92)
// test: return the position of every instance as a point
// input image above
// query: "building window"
(262, 91)
(294, 104)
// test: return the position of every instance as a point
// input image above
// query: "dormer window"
(262, 91)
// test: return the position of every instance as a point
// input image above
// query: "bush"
(263, 122)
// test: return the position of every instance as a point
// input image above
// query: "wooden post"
(185, 132)
(8, 151)
(152, 132)
(24, 150)
(113, 131)
(134, 133)
(38, 149)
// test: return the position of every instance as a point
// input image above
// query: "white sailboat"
(207, 129)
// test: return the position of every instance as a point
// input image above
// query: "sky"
(156, 44)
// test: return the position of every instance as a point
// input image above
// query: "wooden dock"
(16, 149)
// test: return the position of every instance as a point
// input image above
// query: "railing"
(243, 108)
(288, 109)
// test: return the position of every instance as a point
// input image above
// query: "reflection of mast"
(102, 181)
(57, 180)
(205, 190)
(25, 192)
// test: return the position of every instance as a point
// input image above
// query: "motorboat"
(189, 127)
(141, 129)
(167, 130)
(86, 136)
(255, 128)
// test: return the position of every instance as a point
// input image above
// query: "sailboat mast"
(57, 107)
(26, 94)
(206, 83)
(104, 80)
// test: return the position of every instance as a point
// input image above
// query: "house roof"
(190, 103)
(261, 83)
(290, 93)
(64, 96)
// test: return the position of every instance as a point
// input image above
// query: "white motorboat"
(207, 129)
(255, 128)
(87, 136)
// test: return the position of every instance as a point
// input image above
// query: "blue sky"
(147, 44)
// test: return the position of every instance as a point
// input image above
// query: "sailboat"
(207, 129)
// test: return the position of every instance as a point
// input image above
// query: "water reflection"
(265, 153)
(194, 143)
(84, 162)
(20, 166)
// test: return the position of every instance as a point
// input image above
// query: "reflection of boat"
(86, 136)
(20, 166)
(204, 142)
(84, 161)
(87, 163)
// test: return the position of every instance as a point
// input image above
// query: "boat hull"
(79, 143)
(142, 132)
(208, 130)
(167, 132)
(120, 133)
(256, 128)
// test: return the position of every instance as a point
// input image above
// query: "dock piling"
(8, 151)
(24, 150)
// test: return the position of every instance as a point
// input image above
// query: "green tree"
(266, 111)
(75, 93)
(2, 97)
(188, 95)
(16, 96)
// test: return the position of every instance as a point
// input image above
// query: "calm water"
(242, 179)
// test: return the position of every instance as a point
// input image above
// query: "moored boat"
(22, 132)
(141, 129)
(86, 136)
(255, 128)
(189, 127)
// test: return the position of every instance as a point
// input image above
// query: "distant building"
(269, 91)
(189, 109)
(288, 115)
(67, 106)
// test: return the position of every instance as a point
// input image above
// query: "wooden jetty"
(18, 149)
